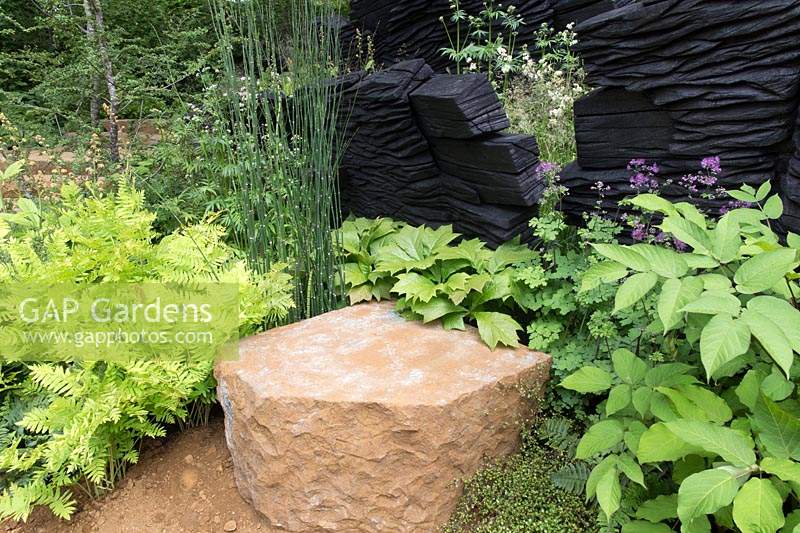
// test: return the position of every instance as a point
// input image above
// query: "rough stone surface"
(358, 420)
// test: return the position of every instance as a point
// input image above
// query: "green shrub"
(517, 495)
(79, 423)
(498, 291)
(706, 424)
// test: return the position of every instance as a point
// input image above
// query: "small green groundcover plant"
(76, 424)
(517, 495)
(700, 432)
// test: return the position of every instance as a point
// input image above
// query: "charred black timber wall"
(430, 149)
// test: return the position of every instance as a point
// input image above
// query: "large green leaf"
(764, 271)
(778, 430)
(659, 444)
(628, 466)
(602, 272)
(652, 202)
(688, 232)
(415, 287)
(659, 508)
(697, 403)
(435, 309)
(783, 468)
(624, 255)
(758, 508)
(722, 340)
(771, 338)
(510, 253)
(726, 240)
(599, 438)
(782, 313)
(609, 492)
(628, 367)
(713, 303)
(588, 379)
(497, 328)
(618, 399)
(729, 444)
(663, 261)
(634, 289)
(675, 294)
(640, 526)
(708, 491)
(608, 463)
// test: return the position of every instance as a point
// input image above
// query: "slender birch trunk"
(108, 69)
(94, 103)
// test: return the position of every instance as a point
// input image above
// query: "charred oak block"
(458, 107)
(501, 168)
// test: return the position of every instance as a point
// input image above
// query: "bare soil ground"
(183, 484)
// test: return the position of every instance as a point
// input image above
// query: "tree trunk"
(108, 69)
(94, 103)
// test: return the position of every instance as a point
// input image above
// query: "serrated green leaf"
(641, 400)
(722, 340)
(776, 387)
(729, 444)
(652, 202)
(628, 367)
(726, 240)
(697, 403)
(609, 492)
(778, 430)
(783, 468)
(600, 437)
(659, 444)
(675, 294)
(749, 388)
(758, 508)
(628, 466)
(436, 308)
(714, 303)
(624, 255)
(588, 379)
(706, 492)
(618, 399)
(663, 261)
(602, 272)
(454, 321)
(414, 287)
(659, 508)
(634, 289)
(688, 232)
(782, 314)
(771, 338)
(764, 271)
(640, 526)
(608, 463)
(497, 328)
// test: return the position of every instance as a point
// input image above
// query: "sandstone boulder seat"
(358, 420)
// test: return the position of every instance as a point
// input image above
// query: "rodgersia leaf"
(758, 508)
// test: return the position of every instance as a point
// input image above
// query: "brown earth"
(182, 484)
